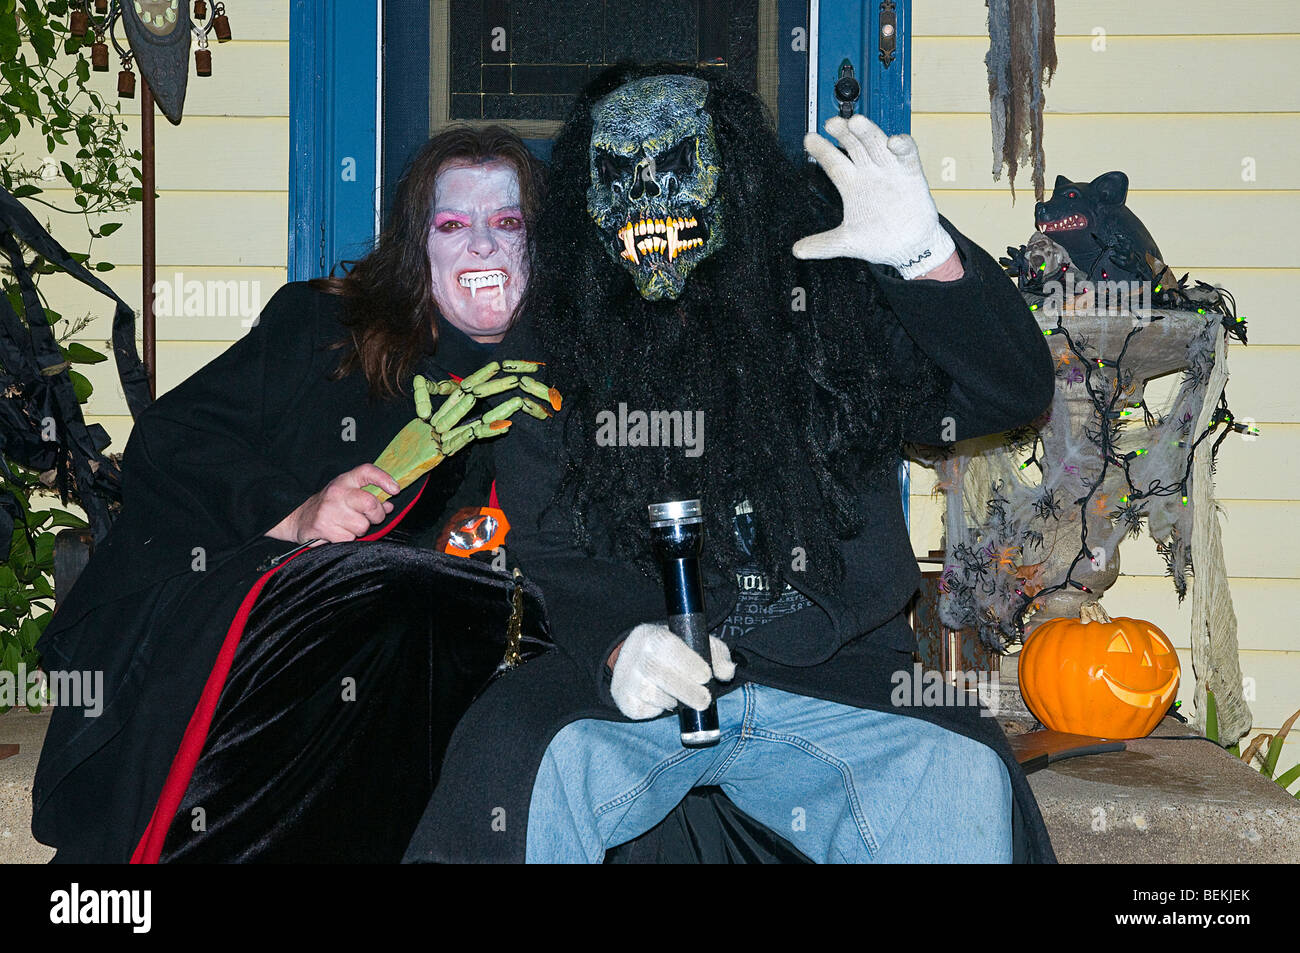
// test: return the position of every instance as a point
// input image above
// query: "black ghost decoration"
(159, 31)
(1092, 223)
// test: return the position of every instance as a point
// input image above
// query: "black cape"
(209, 468)
(844, 649)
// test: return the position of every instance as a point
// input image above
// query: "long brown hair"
(390, 308)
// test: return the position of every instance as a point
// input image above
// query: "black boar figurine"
(1091, 222)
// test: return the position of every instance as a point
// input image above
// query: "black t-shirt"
(754, 606)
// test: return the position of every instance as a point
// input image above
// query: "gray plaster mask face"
(654, 180)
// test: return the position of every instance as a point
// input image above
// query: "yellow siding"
(1157, 90)
(222, 209)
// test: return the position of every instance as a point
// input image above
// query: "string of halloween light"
(1111, 422)
(974, 592)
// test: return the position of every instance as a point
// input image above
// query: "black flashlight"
(677, 536)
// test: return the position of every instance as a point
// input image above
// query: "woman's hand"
(342, 511)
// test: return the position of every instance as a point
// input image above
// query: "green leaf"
(17, 600)
(26, 191)
(105, 266)
(78, 353)
(1211, 717)
(109, 228)
(64, 518)
(10, 657)
(28, 634)
(8, 32)
(45, 550)
(81, 386)
(1290, 777)
(1275, 747)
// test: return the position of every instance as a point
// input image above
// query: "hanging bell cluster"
(209, 19)
(219, 24)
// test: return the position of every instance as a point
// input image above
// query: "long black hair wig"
(789, 361)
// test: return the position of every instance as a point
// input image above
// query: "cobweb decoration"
(1035, 511)
(1021, 60)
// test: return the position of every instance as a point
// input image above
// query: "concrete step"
(17, 846)
(1169, 798)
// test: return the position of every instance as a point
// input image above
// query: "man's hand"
(654, 670)
(889, 215)
(342, 511)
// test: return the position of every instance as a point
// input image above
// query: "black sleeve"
(980, 332)
(199, 457)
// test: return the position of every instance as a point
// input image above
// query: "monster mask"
(654, 178)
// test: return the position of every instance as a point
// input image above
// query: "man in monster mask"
(810, 321)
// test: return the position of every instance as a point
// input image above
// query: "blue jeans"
(844, 785)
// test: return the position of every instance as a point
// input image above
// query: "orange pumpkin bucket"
(1110, 678)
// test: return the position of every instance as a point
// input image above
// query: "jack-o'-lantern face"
(1112, 679)
(1140, 668)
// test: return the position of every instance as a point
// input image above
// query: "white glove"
(889, 214)
(655, 670)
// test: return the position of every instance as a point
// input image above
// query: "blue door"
(372, 79)
(368, 77)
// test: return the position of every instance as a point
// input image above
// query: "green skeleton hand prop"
(432, 437)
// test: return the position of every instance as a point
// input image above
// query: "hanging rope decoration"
(1021, 60)
(1132, 464)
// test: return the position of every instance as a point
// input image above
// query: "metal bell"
(99, 56)
(203, 61)
(126, 84)
(221, 23)
(79, 24)
(200, 10)
(101, 7)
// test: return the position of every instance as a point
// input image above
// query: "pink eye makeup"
(449, 221)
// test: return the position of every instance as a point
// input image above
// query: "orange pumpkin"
(1113, 678)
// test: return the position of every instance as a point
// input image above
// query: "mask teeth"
(626, 235)
(656, 235)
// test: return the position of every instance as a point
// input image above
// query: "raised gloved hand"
(889, 214)
(655, 670)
